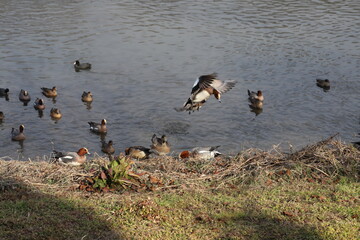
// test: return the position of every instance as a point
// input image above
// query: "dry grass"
(329, 158)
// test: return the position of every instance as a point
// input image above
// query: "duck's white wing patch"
(95, 128)
(69, 157)
(196, 82)
(203, 151)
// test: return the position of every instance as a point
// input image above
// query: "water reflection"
(88, 105)
(102, 136)
(40, 113)
(255, 110)
(20, 150)
(53, 99)
(176, 127)
(25, 103)
(5, 95)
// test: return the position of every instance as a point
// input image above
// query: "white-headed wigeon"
(160, 146)
(87, 97)
(39, 104)
(81, 66)
(18, 134)
(98, 127)
(256, 99)
(49, 92)
(71, 158)
(203, 88)
(24, 96)
(204, 153)
(138, 152)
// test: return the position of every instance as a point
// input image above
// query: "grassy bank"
(309, 194)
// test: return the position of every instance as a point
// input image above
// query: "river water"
(146, 56)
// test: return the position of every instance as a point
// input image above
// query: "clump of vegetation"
(116, 176)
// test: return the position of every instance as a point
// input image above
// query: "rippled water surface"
(146, 56)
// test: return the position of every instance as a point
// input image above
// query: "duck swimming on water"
(81, 66)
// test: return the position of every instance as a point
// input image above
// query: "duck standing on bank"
(71, 158)
(160, 146)
(138, 152)
(18, 134)
(203, 88)
(203, 153)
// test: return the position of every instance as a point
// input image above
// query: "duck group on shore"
(203, 88)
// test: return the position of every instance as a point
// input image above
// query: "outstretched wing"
(203, 82)
(223, 86)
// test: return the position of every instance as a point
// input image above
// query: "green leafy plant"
(116, 176)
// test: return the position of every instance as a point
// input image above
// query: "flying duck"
(203, 88)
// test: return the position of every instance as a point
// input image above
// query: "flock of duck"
(203, 88)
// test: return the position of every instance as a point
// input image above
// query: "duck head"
(184, 154)
(83, 151)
